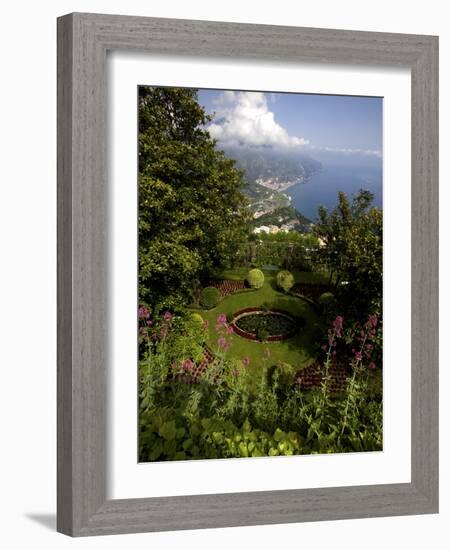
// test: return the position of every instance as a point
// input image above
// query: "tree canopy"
(191, 209)
(352, 239)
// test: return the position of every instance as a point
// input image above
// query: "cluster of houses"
(285, 227)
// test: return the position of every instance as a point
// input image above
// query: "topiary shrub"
(285, 280)
(209, 297)
(326, 299)
(255, 278)
(197, 318)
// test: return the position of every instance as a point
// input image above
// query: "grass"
(299, 351)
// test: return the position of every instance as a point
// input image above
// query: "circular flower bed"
(269, 325)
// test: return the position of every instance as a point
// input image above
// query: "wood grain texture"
(83, 40)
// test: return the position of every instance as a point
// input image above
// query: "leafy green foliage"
(222, 416)
(197, 317)
(209, 297)
(353, 240)
(191, 209)
(255, 278)
(285, 280)
(283, 373)
(326, 298)
(291, 249)
(197, 438)
(262, 333)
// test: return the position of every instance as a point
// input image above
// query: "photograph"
(260, 267)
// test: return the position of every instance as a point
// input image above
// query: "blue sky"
(341, 124)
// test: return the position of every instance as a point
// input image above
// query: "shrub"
(285, 280)
(283, 374)
(262, 334)
(170, 438)
(326, 299)
(197, 318)
(255, 278)
(209, 297)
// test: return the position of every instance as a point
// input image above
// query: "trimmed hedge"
(285, 280)
(197, 318)
(327, 298)
(209, 297)
(255, 278)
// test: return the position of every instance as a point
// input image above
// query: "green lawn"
(298, 351)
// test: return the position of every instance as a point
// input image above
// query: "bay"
(322, 187)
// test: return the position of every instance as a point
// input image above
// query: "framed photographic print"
(247, 274)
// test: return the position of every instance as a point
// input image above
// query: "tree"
(191, 209)
(352, 241)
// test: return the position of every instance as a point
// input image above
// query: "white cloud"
(244, 118)
(343, 151)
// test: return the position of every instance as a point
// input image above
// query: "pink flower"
(358, 356)
(187, 364)
(373, 320)
(230, 329)
(372, 365)
(206, 323)
(338, 323)
(221, 342)
(167, 316)
(221, 319)
(246, 361)
(143, 313)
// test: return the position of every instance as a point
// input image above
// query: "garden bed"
(226, 286)
(310, 378)
(278, 324)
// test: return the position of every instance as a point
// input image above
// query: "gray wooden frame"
(83, 40)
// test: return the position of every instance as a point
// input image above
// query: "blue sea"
(322, 187)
